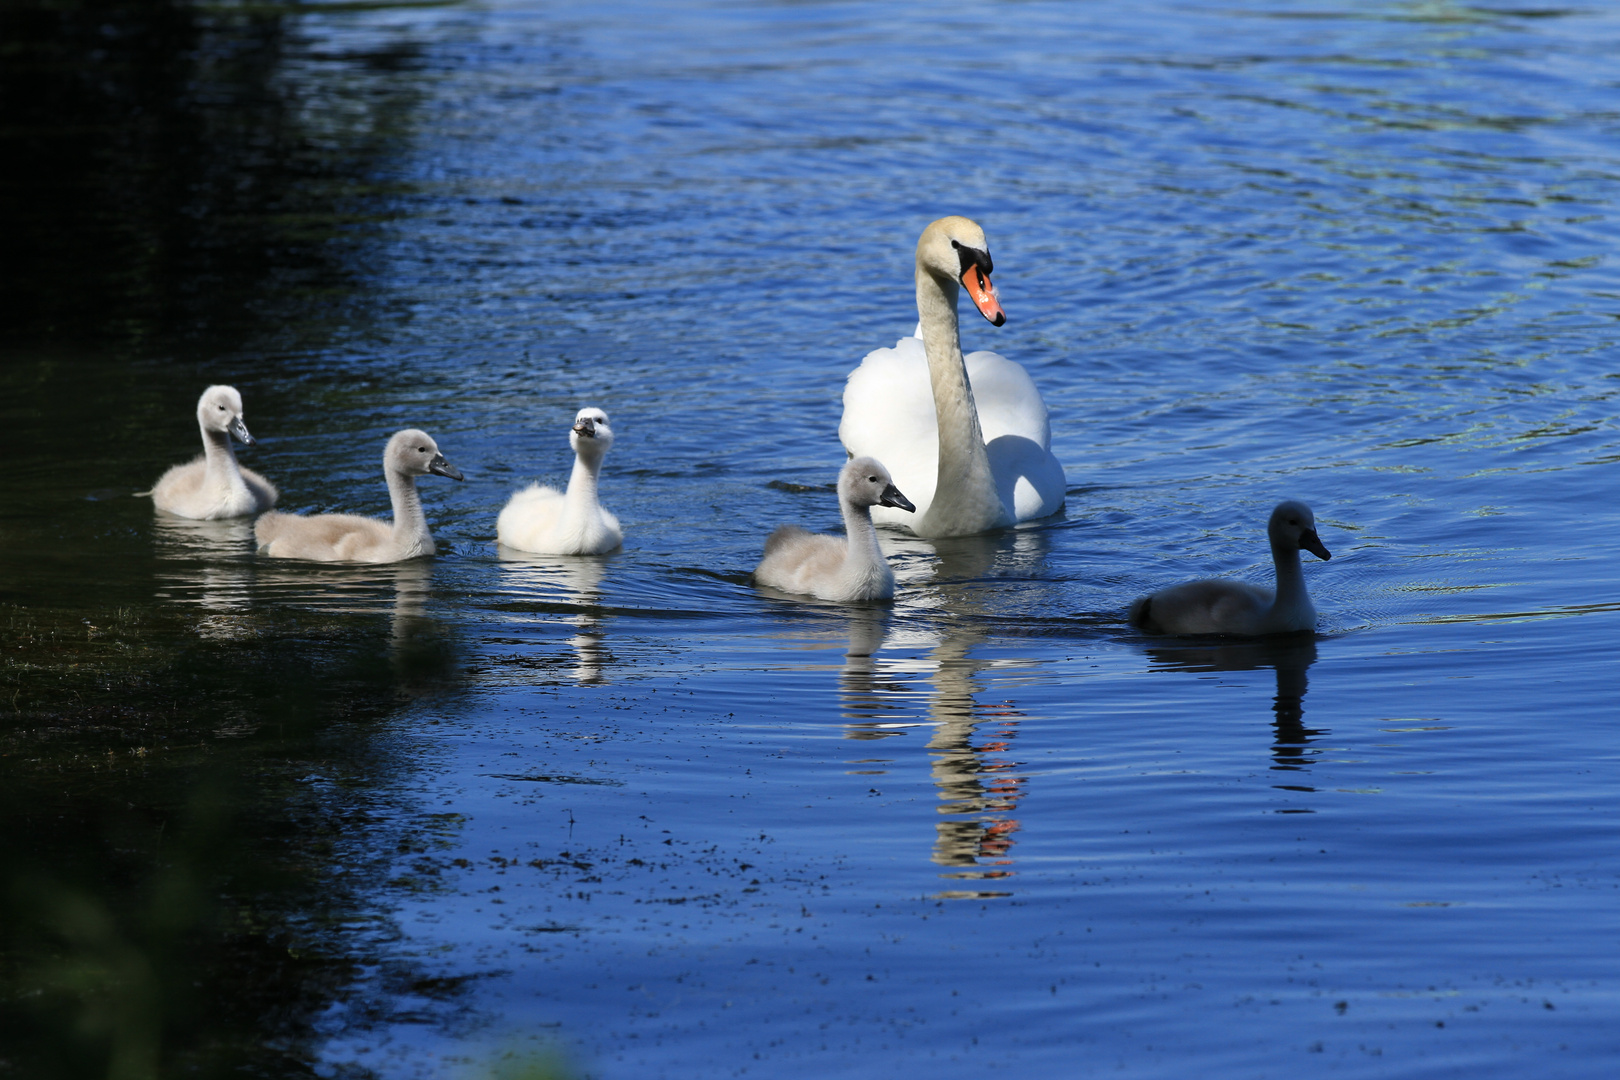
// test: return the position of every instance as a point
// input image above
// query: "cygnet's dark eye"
(873, 479)
(221, 408)
(421, 449)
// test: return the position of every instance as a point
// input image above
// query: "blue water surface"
(1355, 254)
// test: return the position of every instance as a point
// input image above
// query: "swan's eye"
(873, 479)
(421, 449)
(955, 244)
(221, 408)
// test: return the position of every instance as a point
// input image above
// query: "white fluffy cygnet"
(213, 485)
(545, 520)
(1224, 606)
(351, 538)
(845, 568)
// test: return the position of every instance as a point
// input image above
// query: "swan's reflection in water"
(979, 787)
(1290, 655)
(574, 583)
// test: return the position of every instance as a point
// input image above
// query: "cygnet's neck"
(864, 558)
(965, 499)
(220, 470)
(1291, 593)
(410, 524)
(581, 495)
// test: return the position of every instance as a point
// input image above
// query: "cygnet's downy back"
(544, 520)
(351, 538)
(213, 485)
(833, 568)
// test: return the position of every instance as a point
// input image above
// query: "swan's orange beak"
(985, 298)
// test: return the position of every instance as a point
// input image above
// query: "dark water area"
(278, 819)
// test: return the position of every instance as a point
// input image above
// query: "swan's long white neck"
(965, 499)
(1291, 594)
(410, 524)
(220, 469)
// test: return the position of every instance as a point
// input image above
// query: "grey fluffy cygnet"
(1224, 606)
(213, 485)
(351, 538)
(837, 568)
(545, 520)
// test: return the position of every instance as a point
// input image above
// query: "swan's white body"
(544, 520)
(351, 538)
(213, 485)
(967, 438)
(1223, 606)
(847, 568)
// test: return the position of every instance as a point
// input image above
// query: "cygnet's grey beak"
(239, 430)
(1313, 544)
(441, 467)
(585, 427)
(892, 497)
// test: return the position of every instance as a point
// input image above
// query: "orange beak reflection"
(985, 298)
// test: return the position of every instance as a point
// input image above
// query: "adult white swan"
(967, 439)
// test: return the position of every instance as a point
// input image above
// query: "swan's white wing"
(1008, 402)
(1028, 478)
(889, 415)
(1017, 436)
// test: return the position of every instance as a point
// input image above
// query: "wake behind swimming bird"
(547, 521)
(352, 538)
(830, 567)
(1224, 606)
(213, 485)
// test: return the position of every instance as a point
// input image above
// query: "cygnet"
(213, 485)
(830, 567)
(1224, 606)
(351, 538)
(543, 519)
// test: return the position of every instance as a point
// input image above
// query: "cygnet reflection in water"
(344, 588)
(207, 564)
(421, 648)
(873, 695)
(186, 538)
(560, 588)
(1291, 657)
